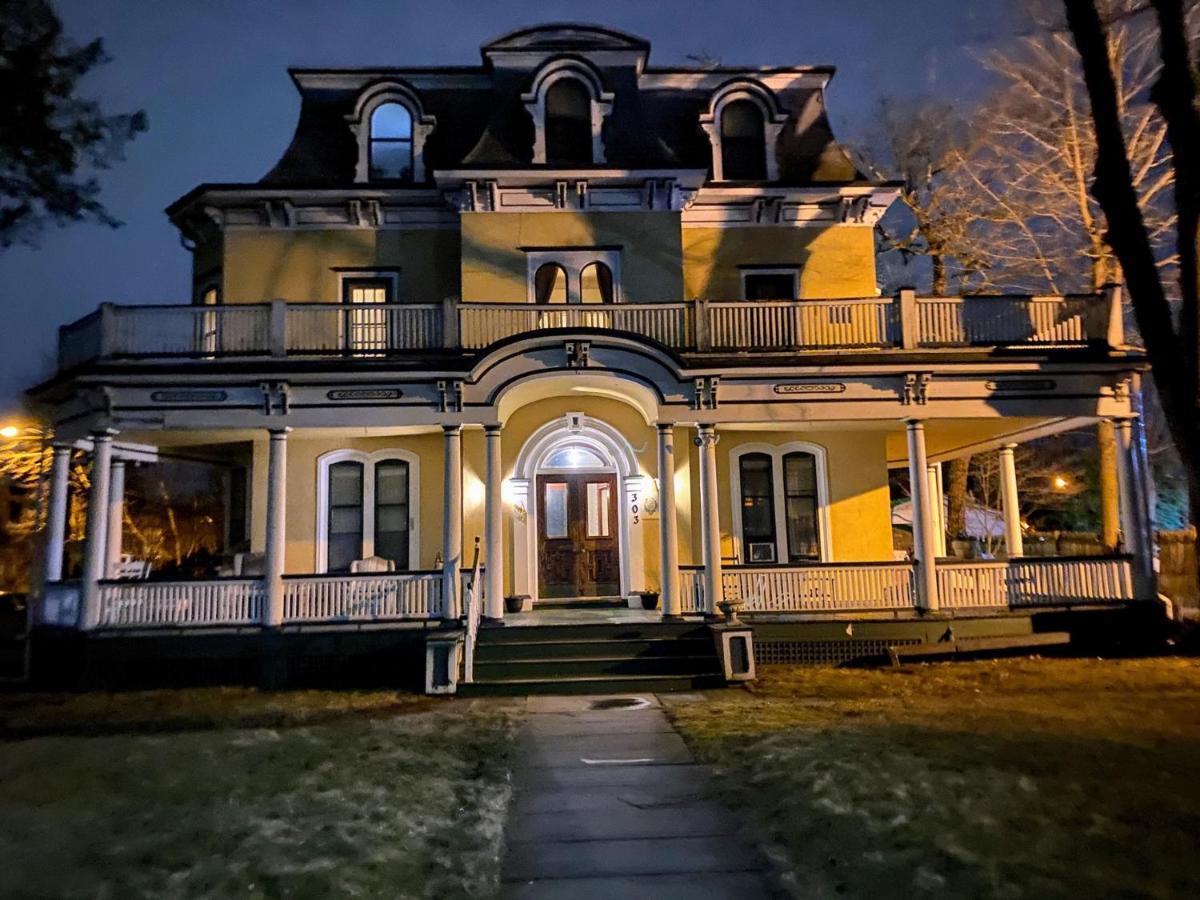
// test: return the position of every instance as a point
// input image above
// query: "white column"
(116, 517)
(1010, 502)
(668, 531)
(1143, 492)
(56, 514)
(1133, 529)
(937, 502)
(493, 527)
(710, 521)
(97, 529)
(452, 522)
(924, 549)
(276, 528)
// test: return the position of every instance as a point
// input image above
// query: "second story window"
(391, 143)
(574, 275)
(367, 319)
(550, 284)
(770, 284)
(568, 124)
(743, 142)
(596, 284)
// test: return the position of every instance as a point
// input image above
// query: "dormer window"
(568, 105)
(743, 123)
(391, 146)
(391, 127)
(743, 146)
(568, 124)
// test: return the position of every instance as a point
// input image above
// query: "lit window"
(554, 510)
(743, 142)
(367, 318)
(596, 284)
(568, 124)
(550, 284)
(391, 147)
(210, 323)
(599, 512)
(574, 458)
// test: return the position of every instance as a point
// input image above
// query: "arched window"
(596, 284)
(743, 142)
(367, 506)
(758, 506)
(568, 124)
(391, 143)
(345, 529)
(800, 505)
(550, 284)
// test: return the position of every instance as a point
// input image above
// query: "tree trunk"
(956, 496)
(939, 274)
(1110, 514)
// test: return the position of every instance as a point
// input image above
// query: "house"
(614, 324)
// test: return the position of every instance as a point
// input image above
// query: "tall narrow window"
(391, 147)
(550, 284)
(210, 323)
(555, 509)
(391, 511)
(367, 317)
(596, 284)
(743, 142)
(758, 507)
(800, 506)
(345, 515)
(568, 124)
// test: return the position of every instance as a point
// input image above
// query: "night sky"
(212, 76)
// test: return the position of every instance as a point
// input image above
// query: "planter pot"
(515, 603)
(649, 599)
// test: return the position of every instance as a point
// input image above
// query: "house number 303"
(634, 509)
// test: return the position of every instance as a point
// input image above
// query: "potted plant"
(649, 599)
(514, 603)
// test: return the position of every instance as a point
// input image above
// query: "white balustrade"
(691, 590)
(950, 321)
(483, 324)
(821, 588)
(138, 604)
(241, 329)
(334, 598)
(803, 324)
(1034, 582)
(362, 329)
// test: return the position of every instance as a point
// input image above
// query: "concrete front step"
(596, 666)
(592, 649)
(523, 634)
(609, 684)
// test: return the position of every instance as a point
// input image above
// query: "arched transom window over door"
(780, 504)
(368, 506)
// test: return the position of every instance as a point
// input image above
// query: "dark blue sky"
(212, 76)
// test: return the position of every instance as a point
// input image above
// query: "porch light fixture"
(8, 432)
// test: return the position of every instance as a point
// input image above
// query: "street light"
(1060, 482)
(8, 432)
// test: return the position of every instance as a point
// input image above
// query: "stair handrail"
(474, 603)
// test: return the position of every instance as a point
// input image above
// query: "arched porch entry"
(574, 485)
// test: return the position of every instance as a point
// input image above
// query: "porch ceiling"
(952, 438)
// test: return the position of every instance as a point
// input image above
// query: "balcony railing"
(282, 330)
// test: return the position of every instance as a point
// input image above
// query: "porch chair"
(249, 565)
(372, 564)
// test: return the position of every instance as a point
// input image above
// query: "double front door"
(578, 553)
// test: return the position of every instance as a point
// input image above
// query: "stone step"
(608, 684)
(596, 666)
(577, 649)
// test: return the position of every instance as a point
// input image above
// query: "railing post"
(910, 336)
(1114, 299)
(279, 328)
(703, 324)
(450, 324)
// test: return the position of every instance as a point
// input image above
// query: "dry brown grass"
(992, 779)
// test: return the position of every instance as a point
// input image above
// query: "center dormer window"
(568, 124)
(391, 146)
(743, 143)
(569, 275)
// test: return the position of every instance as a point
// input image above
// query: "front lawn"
(1012, 778)
(235, 793)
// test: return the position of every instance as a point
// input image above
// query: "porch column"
(937, 501)
(452, 521)
(493, 528)
(95, 554)
(1010, 502)
(668, 531)
(1143, 490)
(56, 514)
(710, 520)
(116, 517)
(924, 549)
(1133, 530)
(276, 528)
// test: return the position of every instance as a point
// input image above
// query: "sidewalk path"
(608, 802)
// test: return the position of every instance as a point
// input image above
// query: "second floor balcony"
(279, 329)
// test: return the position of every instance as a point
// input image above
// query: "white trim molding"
(773, 121)
(368, 460)
(535, 103)
(360, 125)
(777, 452)
(573, 262)
(610, 445)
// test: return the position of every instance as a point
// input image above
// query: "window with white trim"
(568, 104)
(390, 152)
(781, 502)
(743, 142)
(574, 275)
(367, 506)
(391, 127)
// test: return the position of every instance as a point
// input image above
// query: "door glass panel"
(599, 496)
(392, 512)
(556, 510)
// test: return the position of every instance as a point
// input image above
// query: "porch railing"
(820, 588)
(1053, 581)
(279, 329)
(136, 604)
(354, 598)
(691, 590)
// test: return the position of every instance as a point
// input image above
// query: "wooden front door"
(578, 553)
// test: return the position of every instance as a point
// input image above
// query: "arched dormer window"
(568, 104)
(391, 128)
(568, 124)
(743, 123)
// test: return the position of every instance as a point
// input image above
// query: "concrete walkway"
(608, 802)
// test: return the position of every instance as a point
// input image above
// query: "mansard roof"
(483, 123)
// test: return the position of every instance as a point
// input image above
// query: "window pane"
(391, 120)
(800, 506)
(391, 159)
(596, 284)
(758, 501)
(574, 458)
(392, 511)
(599, 496)
(556, 510)
(345, 515)
(550, 284)
(772, 286)
(568, 124)
(743, 145)
(391, 482)
(345, 484)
